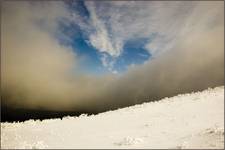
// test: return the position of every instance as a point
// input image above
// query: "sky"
(96, 56)
(94, 40)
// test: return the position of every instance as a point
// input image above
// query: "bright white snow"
(193, 120)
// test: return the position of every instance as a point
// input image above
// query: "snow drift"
(194, 120)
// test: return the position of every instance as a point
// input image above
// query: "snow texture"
(194, 120)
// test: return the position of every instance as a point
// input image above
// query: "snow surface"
(193, 120)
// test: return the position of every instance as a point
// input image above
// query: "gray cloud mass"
(38, 72)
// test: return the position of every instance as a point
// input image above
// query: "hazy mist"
(39, 72)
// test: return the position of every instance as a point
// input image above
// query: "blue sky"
(109, 36)
(133, 51)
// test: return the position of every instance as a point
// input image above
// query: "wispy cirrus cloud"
(111, 24)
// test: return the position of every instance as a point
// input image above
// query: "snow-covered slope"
(193, 120)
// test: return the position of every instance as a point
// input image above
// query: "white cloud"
(100, 38)
(108, 62)
(112, 24)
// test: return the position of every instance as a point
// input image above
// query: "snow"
(194, 120)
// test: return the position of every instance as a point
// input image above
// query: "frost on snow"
(194, 120)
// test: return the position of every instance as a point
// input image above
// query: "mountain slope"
(194, 120)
